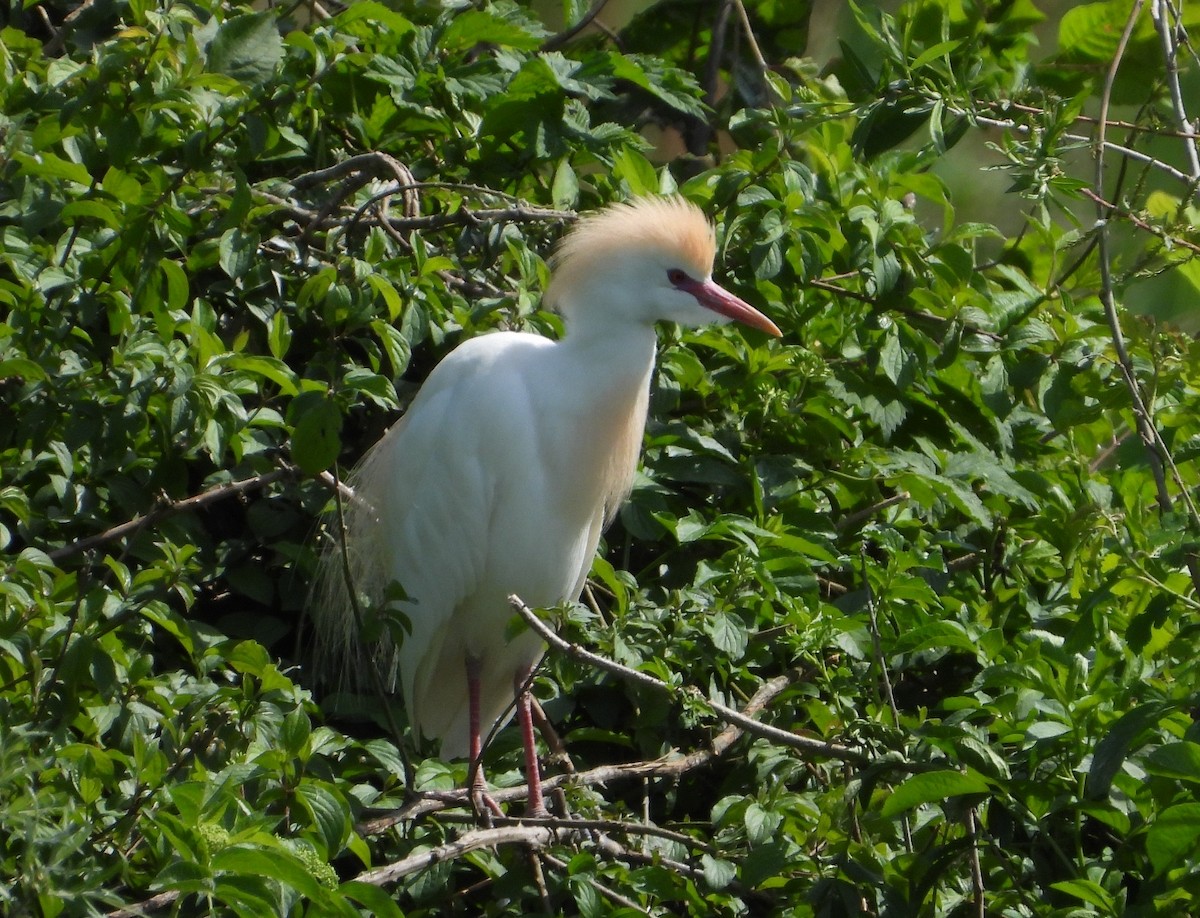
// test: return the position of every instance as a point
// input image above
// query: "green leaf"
(316, 437)
(718, 873)
(377, 901)
(176, 281)
(238, 251)
(636, 170)
(1114, 747)
(1087, 891)
(46, 165)
(932, 787)
(1177, 761)
(247, 48)
(391, 296)
(329, 814)
(270, 368)
(932, 636)
(1174, 837)
(565, 189)
(469, 28)
(23, 367)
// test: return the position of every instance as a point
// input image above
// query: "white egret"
(505, 469)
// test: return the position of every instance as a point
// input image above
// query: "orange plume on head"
(672, 225)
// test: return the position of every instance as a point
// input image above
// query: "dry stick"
(368, 162)
(534, 837)
(853, 519)
(725, 713)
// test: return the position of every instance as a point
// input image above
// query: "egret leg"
(536, 807)
(480, 798)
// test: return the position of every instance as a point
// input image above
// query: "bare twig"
(1010, 124)
(729, 715)
(554, 42)
(606, 891)
(1156, 450)
(1162, 13)
(748, 32)
(533, 837)
(853, 519)
(169, 508)
(1009, 105)
(1139, 222)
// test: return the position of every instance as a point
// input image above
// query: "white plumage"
(506, 467)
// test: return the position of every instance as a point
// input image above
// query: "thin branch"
(1009, 124)
(554, 42)
(1139, 222)
(1088, 119)
(606, 891)
(748, 31)
(729, 715)
(1155, 448)
(170, 508)
(977, 886)
(533, 837)
(1161, 12)
(853, 519)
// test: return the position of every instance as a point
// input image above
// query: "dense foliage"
(943, 534)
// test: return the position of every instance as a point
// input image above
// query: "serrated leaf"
(728, 635)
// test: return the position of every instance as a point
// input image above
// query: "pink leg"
(478, 788)
(536, 807)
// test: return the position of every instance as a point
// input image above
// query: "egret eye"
(676, 277)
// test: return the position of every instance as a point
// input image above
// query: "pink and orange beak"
(711, 295)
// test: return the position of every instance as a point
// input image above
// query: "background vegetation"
(942, 536)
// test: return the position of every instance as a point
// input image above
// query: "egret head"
(645, 261)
